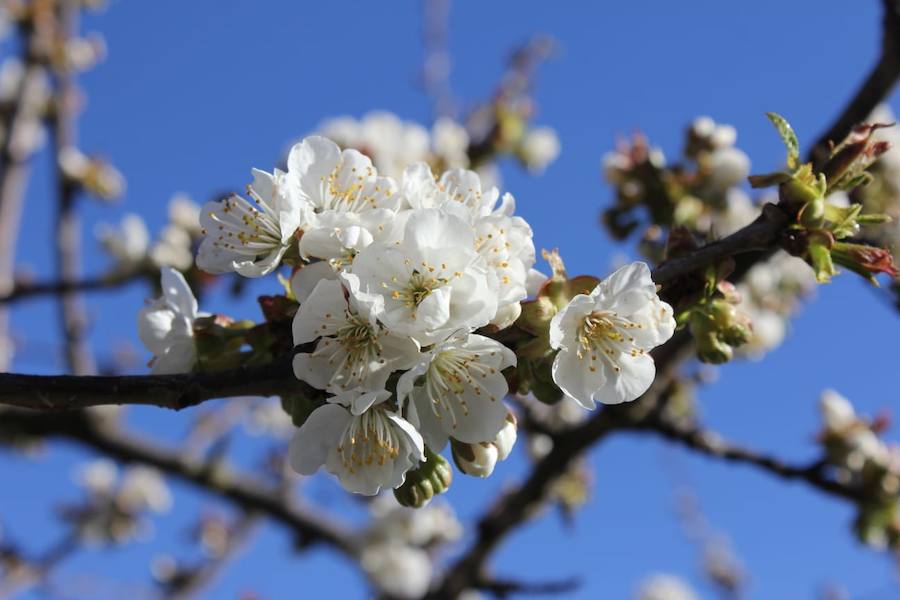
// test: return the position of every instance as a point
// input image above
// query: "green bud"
(710, 349)
(431, 478)
(812, 215)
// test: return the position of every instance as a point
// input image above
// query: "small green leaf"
(788, 137)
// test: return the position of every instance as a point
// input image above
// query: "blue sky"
(194, 94)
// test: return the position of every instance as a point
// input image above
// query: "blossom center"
(369, 439)
(604, 335)
(450, 375)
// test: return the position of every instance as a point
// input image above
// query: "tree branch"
(66, 392)
(709, 442)
(512, 509)
(23, 291)
(310, 525)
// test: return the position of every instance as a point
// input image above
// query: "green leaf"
(788, 137)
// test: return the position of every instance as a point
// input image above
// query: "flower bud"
(506, 438)
(431, 478)
(477, 460)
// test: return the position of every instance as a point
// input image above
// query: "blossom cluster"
(399, 290)
(116, 503)
(130, 246)
(860, 458)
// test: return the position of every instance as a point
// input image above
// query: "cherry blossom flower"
(430, 284)
(166, 325)
(353, 351)
(251, 237)
(461, 390)
(361, 440)
(604, 338)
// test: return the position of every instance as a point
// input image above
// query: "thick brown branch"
(309, 524)
(66, 392)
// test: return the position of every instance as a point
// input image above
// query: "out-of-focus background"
(194, 94)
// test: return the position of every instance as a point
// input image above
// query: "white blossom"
(458, 191)
(185, 214)
(540, 147)
(128, 243)
(98, 477)
(172, 249)
(837, 412)
(604, 338)
(461, 391)
(728, 167)
(477, 460)
(353, 351)
(332, 180)
(430, 284)
(398, 570)
(665, 587)
(358, 438)
(143, 488)
(250, 237)
(430, 525)
(166, 325)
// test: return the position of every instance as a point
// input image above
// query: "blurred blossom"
(398, 570)
(539, 148)
(127, 243)
(184, 213)
(665, 587)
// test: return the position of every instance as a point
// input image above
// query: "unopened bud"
(477, 460)
(431, 478)
(506, 439)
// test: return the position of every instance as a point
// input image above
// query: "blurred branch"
(28, 574)
(873, 91)
(22, 291)
(711, 443)
(504, 588)
(310, 525)
(68, 224)
(14, 164)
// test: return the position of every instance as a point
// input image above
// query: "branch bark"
(24, 291)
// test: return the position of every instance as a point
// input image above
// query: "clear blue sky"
(194, 94)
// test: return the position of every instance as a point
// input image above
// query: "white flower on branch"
(354, 350)
(332, 180)
(604, 338)
(430, 284)
(361, 440)
(458, 191)
(461, 390)
(250, 237)
(166, 326)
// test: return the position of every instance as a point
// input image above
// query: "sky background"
(194, 94)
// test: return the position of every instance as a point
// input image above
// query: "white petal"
(317, 438)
